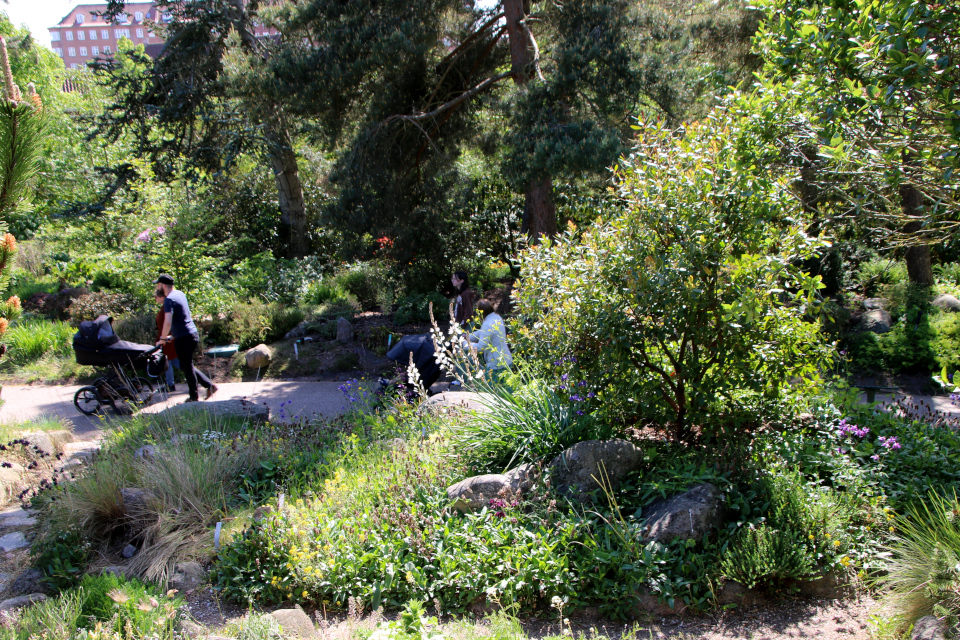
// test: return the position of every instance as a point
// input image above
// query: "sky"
(38, 15)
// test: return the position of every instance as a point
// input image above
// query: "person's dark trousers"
(186, 346)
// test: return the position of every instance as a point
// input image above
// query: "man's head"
(164, 284)
(485, 307)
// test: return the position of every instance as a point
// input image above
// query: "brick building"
(83, 36)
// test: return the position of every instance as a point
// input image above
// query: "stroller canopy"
(97, 345)
(421, 346)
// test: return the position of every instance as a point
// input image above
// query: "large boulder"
(458, 402)
(876, 321)
(244, 409)
(577, 471)
(137, 501)
(294, 623)
(187, 576)
(926, 628)
(40, 443)
(946, 302)
(475, 493)
(21, 601)
(259, 357)
(29, 581)
(687, 515)
(344, 330)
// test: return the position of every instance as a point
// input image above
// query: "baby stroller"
(95, 344)
(424, 356)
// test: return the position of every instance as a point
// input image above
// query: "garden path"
(287, 400)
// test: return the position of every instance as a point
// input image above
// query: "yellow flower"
(828, 536)
(845, 561)
(836, 543)
(810, 536)
(304, 594)
(891, 529)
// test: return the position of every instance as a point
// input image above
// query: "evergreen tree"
(184, 107)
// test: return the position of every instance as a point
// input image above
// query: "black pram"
(96, 344)
(421, 346)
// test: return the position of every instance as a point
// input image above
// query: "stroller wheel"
(142, 390)
(87, 401)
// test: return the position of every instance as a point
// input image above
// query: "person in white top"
(491, 339)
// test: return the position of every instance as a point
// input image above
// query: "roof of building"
(91, 20)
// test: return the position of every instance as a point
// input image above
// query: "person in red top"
(168, 349)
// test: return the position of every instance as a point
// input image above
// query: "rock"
(244, 409)
(83, 451)
(649, 603)
(295, 623)
(831, 586)
(60, 437)
(129, 551)
(687, 515)
(344, 330)
(190, 629)
(926, 628)
(259, 357)
(873, 304)
(298, 331)
(40, 442)
(735, 593)
(5, 580)
(13, 541)
(458, 402)
(115, 570)
(21, 601)
(147, 452)
(473, 494)
(137, 501)
(29, 581)
(877, 321)
(261, 512)
(187, 576)
(24, 521)
(946, 302)
(575, 471)
(10, 481)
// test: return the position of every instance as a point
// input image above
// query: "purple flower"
(591, 394)
(564, 377)
(144, 236)
(576, 398)
(579, 412)
(557, 363)
(890, 443)
(875, 458)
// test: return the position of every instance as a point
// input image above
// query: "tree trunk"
(919, 262)
(286, 171)
(540, 214)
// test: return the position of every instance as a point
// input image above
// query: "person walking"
(178, 327)
(168, 350)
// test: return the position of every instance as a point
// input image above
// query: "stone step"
(82, 451)
(13, 541)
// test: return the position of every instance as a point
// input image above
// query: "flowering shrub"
(690, 298)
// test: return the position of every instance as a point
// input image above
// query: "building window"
(81, 35)
(69, 35)
(93, 34)
(149, 34)
(139, 33)
(83, 51)
(58, 51)
(121, 33)
(94, 51)
(104, 34)
(71, 52)
(106, 51)
(55, 36)
(138, 15)
(73, 65)
(79, 18)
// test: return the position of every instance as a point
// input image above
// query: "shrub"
(345, 307)
(416, 308)
(363, 280)
(876, 274)
(254, 322)
(683, 298)
(323, 291)
(946, 341)
(948, 274)
(102, 303)
(923, 570)
(31, 340)
(140, 328)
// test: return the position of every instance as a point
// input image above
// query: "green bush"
(946, 340)
(923, 570)
(345, 307)
(363, 280)
(948, 274)
(252, 323)
(878, 273)
(323, 291)
(416, 308)
(121, 607)
(29, 340)
(682, 299)
(103, 303)
(62, 557)
(764, 556)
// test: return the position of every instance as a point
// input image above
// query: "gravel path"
(22, 403)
